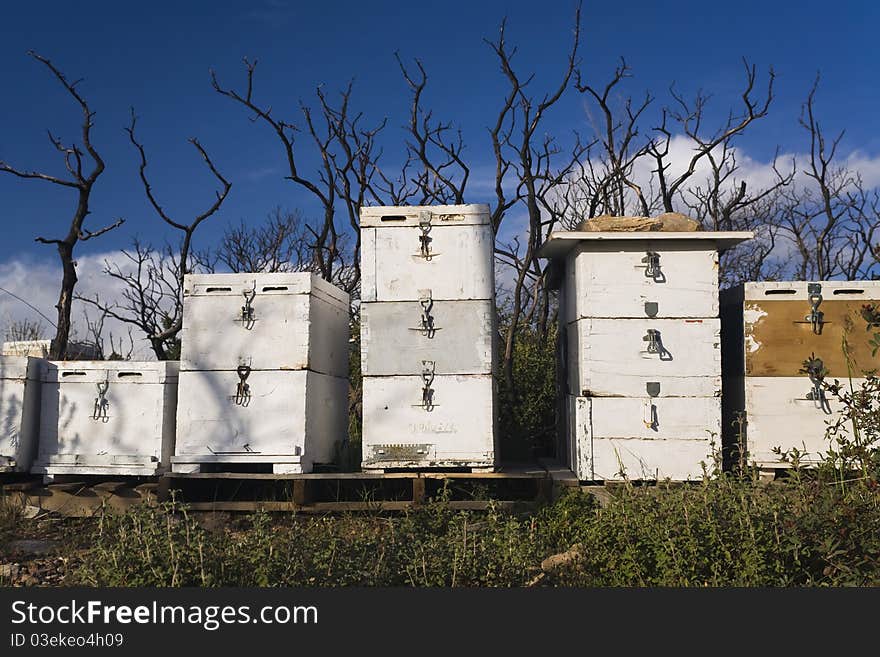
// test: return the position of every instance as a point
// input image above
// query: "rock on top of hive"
(668, 222)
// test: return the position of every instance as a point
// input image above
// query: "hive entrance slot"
(218, 289)
(393, 217)
(275, 288)
(850, 290)
(773, 292)
(126, 375)
(76, 373)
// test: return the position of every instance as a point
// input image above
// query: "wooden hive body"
(428, 337)
(768, 334)
(641, 352)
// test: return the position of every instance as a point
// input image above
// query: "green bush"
(527, 410)
(723, 532)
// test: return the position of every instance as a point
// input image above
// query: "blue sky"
(156, 56)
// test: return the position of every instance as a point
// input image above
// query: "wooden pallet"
(302, 493)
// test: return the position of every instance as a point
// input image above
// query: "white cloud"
(36, 280)
(867, 166)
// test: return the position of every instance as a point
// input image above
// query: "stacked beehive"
(782, 340)
(19, 411)
(640, 336)
(106, 417)
(427, 337)
(264, 372)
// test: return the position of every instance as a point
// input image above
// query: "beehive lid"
(118, 371)
(798, 290)
(395, 216)
(560, 243)
(264, 283)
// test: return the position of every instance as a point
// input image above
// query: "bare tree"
(82, 181)
(152, 296)
(23, 330)
(690, 117)
(277, 244)
(723, 202)
(627, 170)
(607, 184)
(350, 159)
(120, 348)
(440, 173)
(347, 164)
(532, 160)
(830, 217)
(282, 242)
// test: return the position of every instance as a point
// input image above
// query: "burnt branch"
(689, 116)
(539, 168)
(152, 297)
(81, 181)
(435, 145)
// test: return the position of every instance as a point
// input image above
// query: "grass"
(804, 531)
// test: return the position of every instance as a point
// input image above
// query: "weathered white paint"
(19, 411)
(299, 322)
(780, 415)
(797, 291)
(611, 434)
(295, 417)
(609, 357)
(473, 214)
(607, 279)
(398, 432)
(640, 459)
(393, 341)
(460, 267)
(675, 417)
(457, 274)
(561, 242)
(40, 349)
(752, 313)
(132, 433)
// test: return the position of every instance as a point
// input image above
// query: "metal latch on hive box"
(653, 340)
(651, 420)
(242, 390)
(427, 390)
(815, 369)
(426, 327)
(816, 316)
(651, 262)
(425, 237)
(655, 345)
(247, 317)
(101, 402)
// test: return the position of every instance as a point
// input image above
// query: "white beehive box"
(644, 438)
(428, 337)
(458, 336)
(457, 429)
(276, 321)
(640, 339)
(768, 333)
(609, 357)
(290, 419)
(455, 260)
(107, 417)
(41, 348)
(781, 413)
(607, 274)
(19, 412)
